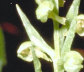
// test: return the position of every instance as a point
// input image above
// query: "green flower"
(24, 52)
(80, 25)
(43, 10)
(73, 61)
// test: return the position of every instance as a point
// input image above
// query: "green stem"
(56, 39)
(56, 45)
(55, 66)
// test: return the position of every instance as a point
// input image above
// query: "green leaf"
(71, 22)
(2, 51)
(34, 35)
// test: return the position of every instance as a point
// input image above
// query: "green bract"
(43, 10)
(73, 61)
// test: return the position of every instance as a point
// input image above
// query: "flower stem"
(56, 39)
(56, 45)
(55, 66)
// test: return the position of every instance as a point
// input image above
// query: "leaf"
(24, 52)
(34, 35)
(2, 51)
